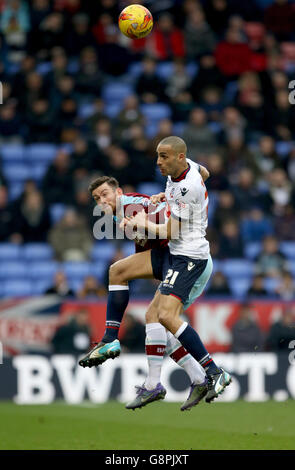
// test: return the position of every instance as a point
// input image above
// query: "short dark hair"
(101, 180)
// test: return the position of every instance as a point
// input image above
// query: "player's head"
(105, 191)
(171, 155)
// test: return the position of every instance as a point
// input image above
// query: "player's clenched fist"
(157, 198)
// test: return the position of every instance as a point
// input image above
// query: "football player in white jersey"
(187, 263)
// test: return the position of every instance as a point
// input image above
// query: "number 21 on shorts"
(170, 277)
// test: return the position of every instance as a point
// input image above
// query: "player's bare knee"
(116, 273)
(151, 315)
(164, 317)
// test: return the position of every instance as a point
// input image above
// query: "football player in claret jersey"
(189, 262)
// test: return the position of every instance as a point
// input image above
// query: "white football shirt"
(187, 200)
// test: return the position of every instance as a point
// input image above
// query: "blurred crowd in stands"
(215, 72)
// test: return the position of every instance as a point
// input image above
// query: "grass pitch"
(158, 426)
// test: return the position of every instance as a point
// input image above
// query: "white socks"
(155, 345)
(180, 355)
(157, 338)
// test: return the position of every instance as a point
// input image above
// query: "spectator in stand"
(257, 289)
(279, 191)
(286, 288)
(179, 81)
(233, 124)
(121, 166)
(60, 286)
(211, 102)
(57, 182)
(217, 15)
(208, 75)
(199, 138)
(38, 12)
(26, 66)
(270, 262)
(289, 165)
(265, 157)
(79, 36)
(70, 238)
(62, 89)
(71, 7)
(14, 25)
(233, 56)
(167, 40)
(231, 245)
(129, 115)
(284, 223)
(49, 34)
(41, 122)
(32, 218)
(237, 155)
(218, 286)
(181, 106)
(149, 86)
(218, 180)
(133, 338)
(34, 89)
(247, 193)
(7, 216)
(255, 226)
(73, 337)
(11, 127)
(165, 128)
(89, 78)
(283, 116)
(246, 334)
(102, 134)
(86, 156)
(68, 115)
(199, 37)
(91, 288)
(226, 208)
(282, 332)
(59, 66)
(112, 48)
(279, 18)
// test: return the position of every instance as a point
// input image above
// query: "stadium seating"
(12, 153)
(239, 287)
(17, 288)
(252, 250)
(37, 251)
(43, 270)
(9, 252)
(288, 249)
(103, 251)
(149, 188)
(116, 92)
(76, 270)
(13, 270)
(237, 268)
(56, 212)
(155, 112)
(40, 153)
(16, 172)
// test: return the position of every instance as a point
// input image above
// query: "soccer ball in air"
(135, 21)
